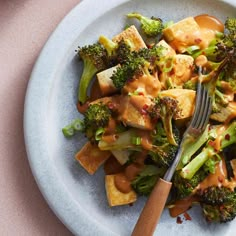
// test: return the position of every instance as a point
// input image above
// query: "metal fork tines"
(199, 121)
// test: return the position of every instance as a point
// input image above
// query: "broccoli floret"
(137, 64)
(109, 45)
(218, 204)
(190, 84)
(118, 52)
(94, 58)
(127, 71)
(215, 195)
(96, 116)
(227, 138)
(165, 108)
(151, 26)
(211, 80)
(163, 152)
(219, 213)
(230, 38)
(146, 179)
(184, 187)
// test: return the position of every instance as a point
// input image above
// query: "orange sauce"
(111, 128)
(146, 139)
(216, 179)
(140, 102)
(232, 107)
(110, 138)
(133, 170)
(112, 166)
(182, 205)
(95, 92)
(122, 183)
(82, 107)
(209, 22)
(150, 84)
(209, 25)
(217, 142)
(219, 178)
(123, 179)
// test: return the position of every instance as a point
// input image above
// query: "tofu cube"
(114, 196)
(91, 157)
(133, 112)
(183, 34)
(185, 98)
(169, 51)
(132, 36)
(105, 82)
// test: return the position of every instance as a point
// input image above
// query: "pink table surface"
(25, 25)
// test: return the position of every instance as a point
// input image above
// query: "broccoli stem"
(122, 141)
(89, 71)
(189, 170)
(167, 123)
(227, 138)
(191, 147)
(210, 52)
(108, 44)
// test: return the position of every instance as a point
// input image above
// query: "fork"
(154, 206)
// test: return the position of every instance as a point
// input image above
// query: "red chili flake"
(221, 207)
(141, 93)
(187, 171)
(187, 216)
(178, 220)
(111, 105)
(197, 41)
(227, 137)
(145, 107)
(149, 45)
(220, 179)
(143, 112)
(211, 143)
(155, 119)
(171, 72)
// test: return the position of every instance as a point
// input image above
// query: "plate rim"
(59, 31)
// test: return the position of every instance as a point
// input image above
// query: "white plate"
(78, 199)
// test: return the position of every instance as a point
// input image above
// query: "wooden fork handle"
(152, 210)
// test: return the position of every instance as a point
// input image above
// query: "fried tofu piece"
(105, 82)
(91, 157)
(185, 98)
(114, 196)
(169, 51)
(181, 72)
(131, 36)
(133, 112)
(148, 85)
(183, 34)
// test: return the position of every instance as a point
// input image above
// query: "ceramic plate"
(78, 199)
